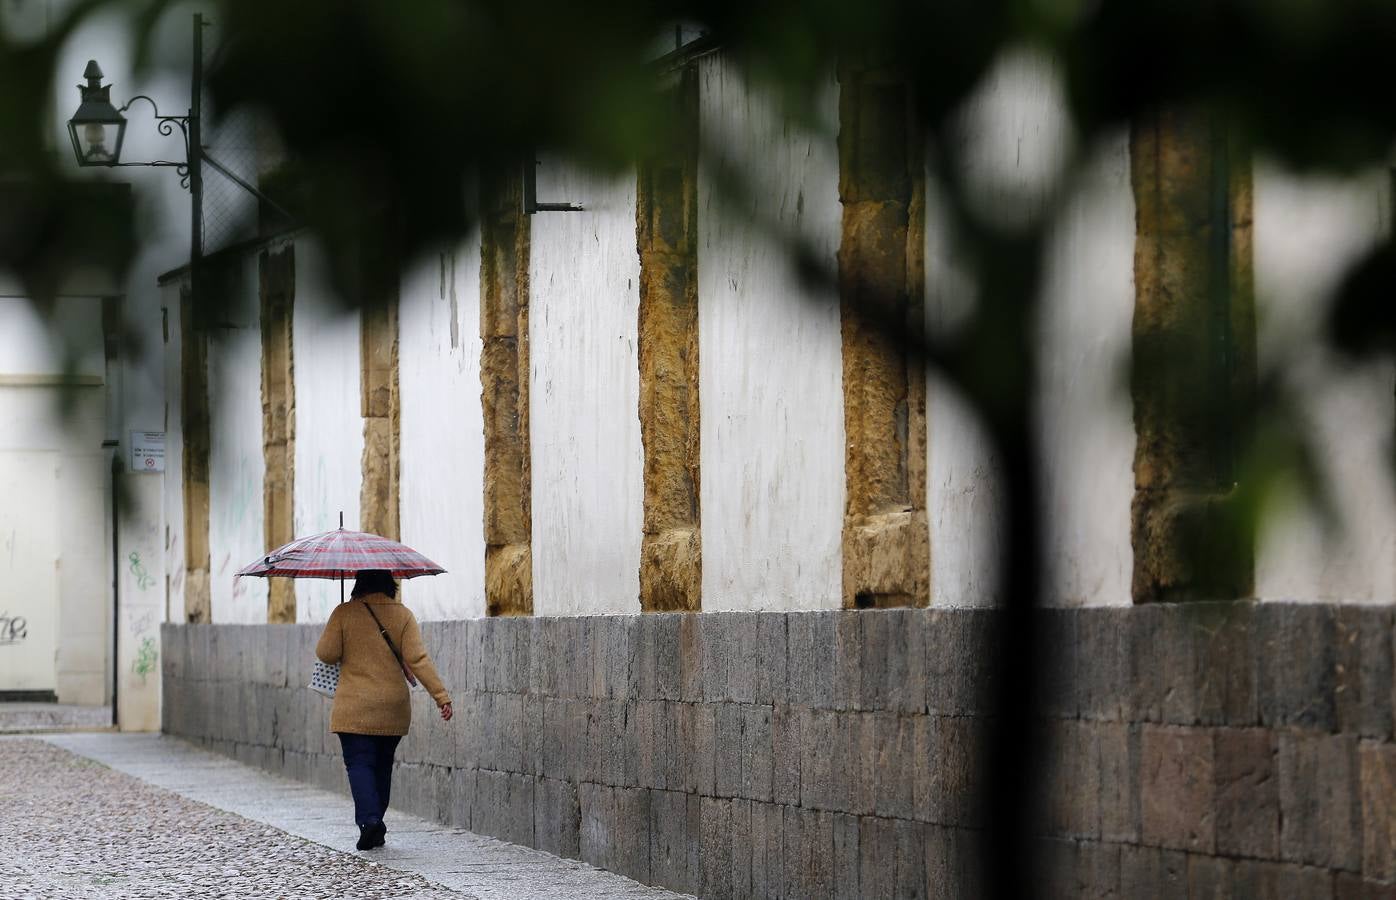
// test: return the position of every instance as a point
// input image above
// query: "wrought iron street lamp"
(97, 128)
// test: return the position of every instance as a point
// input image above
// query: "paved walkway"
(167, 819)
(19, 718)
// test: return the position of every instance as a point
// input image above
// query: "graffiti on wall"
(146, 656)
(13, 629)
(144, 580)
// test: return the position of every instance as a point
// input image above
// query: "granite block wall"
(1203, 750)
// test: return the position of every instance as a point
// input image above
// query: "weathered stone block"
(728, 747)
(557, 751)
(508, 732)
(848, 660)
(1098, 871)
(768, 850)
(690, 657)
(877, 856)
(810, 642)
(461, 798)
(1178, 788)
(809, 842)
(1280, 881)
(855, 764)
(1365, 677)
(961, 678)
(675, 838)
(531, 751)
(1224, 640)
(847, 858)
(772, 662)
(716, 842)
(1378, 786)
(697, 731)
(657, 655)
(1320, 809)
(1119, 782)
(717, 633)
(787, 751)
(757, 753)
(740, 839)
(1072, 779)
(948, 789)
(504, 806)
(1179, 652)
(1145, 664)
(1297, 668)
(909, 860)
(1149, 873)
(895, 773)
(1102, 679)
(1057, 644)
(669, 737)
(954, 865)
(1209, 878)
(1248, 800)
(894, 660)
(821, 781)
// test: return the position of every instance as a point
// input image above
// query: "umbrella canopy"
(342, 554)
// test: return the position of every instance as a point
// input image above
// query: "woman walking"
(377, 643)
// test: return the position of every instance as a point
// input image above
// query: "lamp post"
(98, 131)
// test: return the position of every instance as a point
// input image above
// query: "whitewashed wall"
(54, 517)
(1014, 137)
(1086, 416)
(964, 502)
(442, 437)
(236, 530)
(329, 419)
(770, 383)
(1308, 231)
(588, 482)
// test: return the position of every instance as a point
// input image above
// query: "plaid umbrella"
(342, 554)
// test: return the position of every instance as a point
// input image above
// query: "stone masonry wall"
(1187, 750)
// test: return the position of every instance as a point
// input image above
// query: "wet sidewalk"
(453, 862)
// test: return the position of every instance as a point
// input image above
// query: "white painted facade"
(236, 527)
(329, 419)
(442, 431)
(1308, 232)
(584, 396)
(770, 369)
(1013, 140)
(1085, 415)
(55, 518)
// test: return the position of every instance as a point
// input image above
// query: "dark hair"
(374, 581)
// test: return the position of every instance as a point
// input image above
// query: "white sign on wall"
(147, 451)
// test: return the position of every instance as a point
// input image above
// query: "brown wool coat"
(372, 696)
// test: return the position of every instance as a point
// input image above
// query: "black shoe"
(371, 835)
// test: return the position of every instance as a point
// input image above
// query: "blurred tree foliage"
(390, 112)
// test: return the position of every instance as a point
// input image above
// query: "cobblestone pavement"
(135, 816)
(74, 828)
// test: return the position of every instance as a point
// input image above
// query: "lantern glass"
(97, 143)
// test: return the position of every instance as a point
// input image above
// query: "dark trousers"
(368, 758)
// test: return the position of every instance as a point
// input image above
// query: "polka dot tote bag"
(324, 678)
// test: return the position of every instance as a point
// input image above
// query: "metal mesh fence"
(229, 211)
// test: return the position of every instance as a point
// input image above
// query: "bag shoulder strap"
(383, 631)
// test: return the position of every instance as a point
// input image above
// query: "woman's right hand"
(446, 711)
